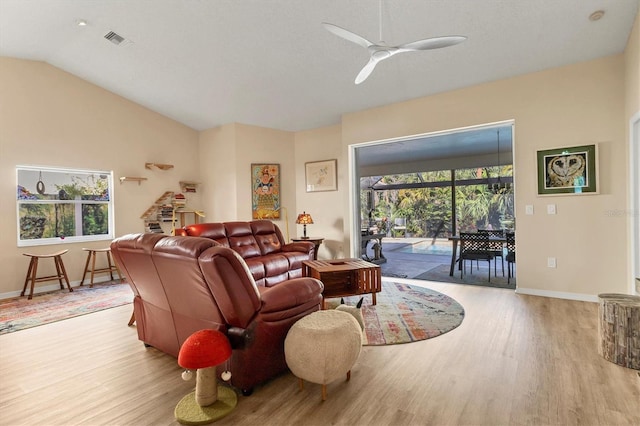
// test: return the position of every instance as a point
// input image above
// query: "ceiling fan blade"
(366, 70)
(347, 35)
(432, 43)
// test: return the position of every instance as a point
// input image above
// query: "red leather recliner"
(185, 284)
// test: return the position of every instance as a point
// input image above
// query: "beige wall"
(573, 105)
(632, 71)
(51, 118)
(632, 109)
(227, 153)
(217, 154)
(324, 207)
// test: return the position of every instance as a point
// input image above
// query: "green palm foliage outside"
(428, 212)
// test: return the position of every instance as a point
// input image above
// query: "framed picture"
(265, 191)
(571, 170)
(321, 176)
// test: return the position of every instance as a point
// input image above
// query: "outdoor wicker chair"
(511, 254)
(474, 246)
(496, 247)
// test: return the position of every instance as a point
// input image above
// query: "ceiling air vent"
(114, 38)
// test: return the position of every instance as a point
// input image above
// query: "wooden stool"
(33, 271)
(92, 258)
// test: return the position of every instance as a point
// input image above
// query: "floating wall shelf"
(132, 179)
(188, 186)
(158, 166)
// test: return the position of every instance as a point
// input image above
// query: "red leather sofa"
(261, 244)
(185, 284)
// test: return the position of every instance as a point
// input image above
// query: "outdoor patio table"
(454, 252)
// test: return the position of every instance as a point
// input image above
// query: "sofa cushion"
(241, 239)
(272, 280)
(213, 231)
(267, 237)
(296, 273)
(275, 264)
(295, 259)
(256, 267)
(245, 246)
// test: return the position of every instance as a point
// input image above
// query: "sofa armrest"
(238, 337)
(290, 294)
(301, 246)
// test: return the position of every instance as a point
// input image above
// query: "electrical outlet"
(551, 209)
(528, 209)
(551, 262)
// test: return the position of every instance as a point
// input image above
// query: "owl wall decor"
(565, 171)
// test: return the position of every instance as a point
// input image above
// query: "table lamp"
(202, 351)
(304, 219)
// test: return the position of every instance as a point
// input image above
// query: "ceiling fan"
(381, 51)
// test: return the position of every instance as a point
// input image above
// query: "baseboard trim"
(558, 294)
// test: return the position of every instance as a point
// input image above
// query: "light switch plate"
(551, 262)
(551, 209)
(528, 209)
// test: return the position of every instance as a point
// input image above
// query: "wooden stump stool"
(619, 329)
(32, 272)
(91, 258)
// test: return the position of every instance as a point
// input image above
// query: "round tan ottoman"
(322, 347)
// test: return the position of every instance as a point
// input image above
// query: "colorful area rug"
(479, 277)
(19, 313)
(406, 313)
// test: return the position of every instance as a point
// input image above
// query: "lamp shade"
(204, 349)
(304, 218)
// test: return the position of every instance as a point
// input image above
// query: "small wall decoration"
(265, 194)
(321, 176)
(571, 170)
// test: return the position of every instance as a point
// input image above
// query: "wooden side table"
(316, 241)
(345, 277)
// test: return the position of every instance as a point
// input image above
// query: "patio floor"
(412, 257)
(410, 264)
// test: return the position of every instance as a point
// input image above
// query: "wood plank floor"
(515, 360)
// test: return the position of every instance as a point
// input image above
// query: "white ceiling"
(461, 149)
(270, 63)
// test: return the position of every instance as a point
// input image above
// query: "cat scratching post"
(619, 329)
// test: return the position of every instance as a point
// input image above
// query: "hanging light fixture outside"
(499, 186)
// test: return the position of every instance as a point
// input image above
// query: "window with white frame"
(57, 205)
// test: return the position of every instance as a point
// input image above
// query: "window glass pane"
(62, 205)
(95, 219)
(46, 220)
(62, 185)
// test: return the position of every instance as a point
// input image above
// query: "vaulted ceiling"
(272, 64)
